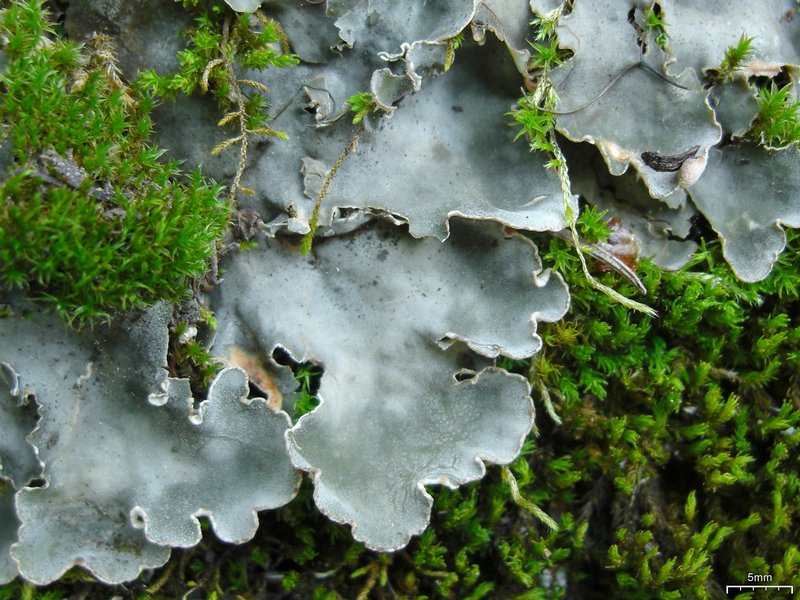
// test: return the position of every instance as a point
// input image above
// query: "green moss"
(656, 24)
(734, 57)
(778, 121)
(93, 222)
(362, 104)
(308, 376)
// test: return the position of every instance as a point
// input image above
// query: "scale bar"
(759, 587)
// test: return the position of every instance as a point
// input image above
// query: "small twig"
(280, 110)
(241, 106)
(203, 582)
(216, 582)
(211, 278)
(371, 581)
(724, 374)
(308, 239)
(606, 258)
(240, 114)
(159, 583)
(434, 574)
(184, 562)
(522, 502)
(611, 83)
(545, 396)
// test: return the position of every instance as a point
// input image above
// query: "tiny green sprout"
(453, 44)
(734, 57)
(544, 25)
(208, 317)
(362, 104)
(656, 24)
(777, 124)
(593, 225)
(534, 123)
(690, 509)
(307, 375)
(547, 56)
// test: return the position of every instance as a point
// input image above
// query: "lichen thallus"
(594, 250)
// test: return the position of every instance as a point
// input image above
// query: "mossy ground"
(672, 474)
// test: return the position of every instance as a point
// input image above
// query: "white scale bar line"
(759, 587)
